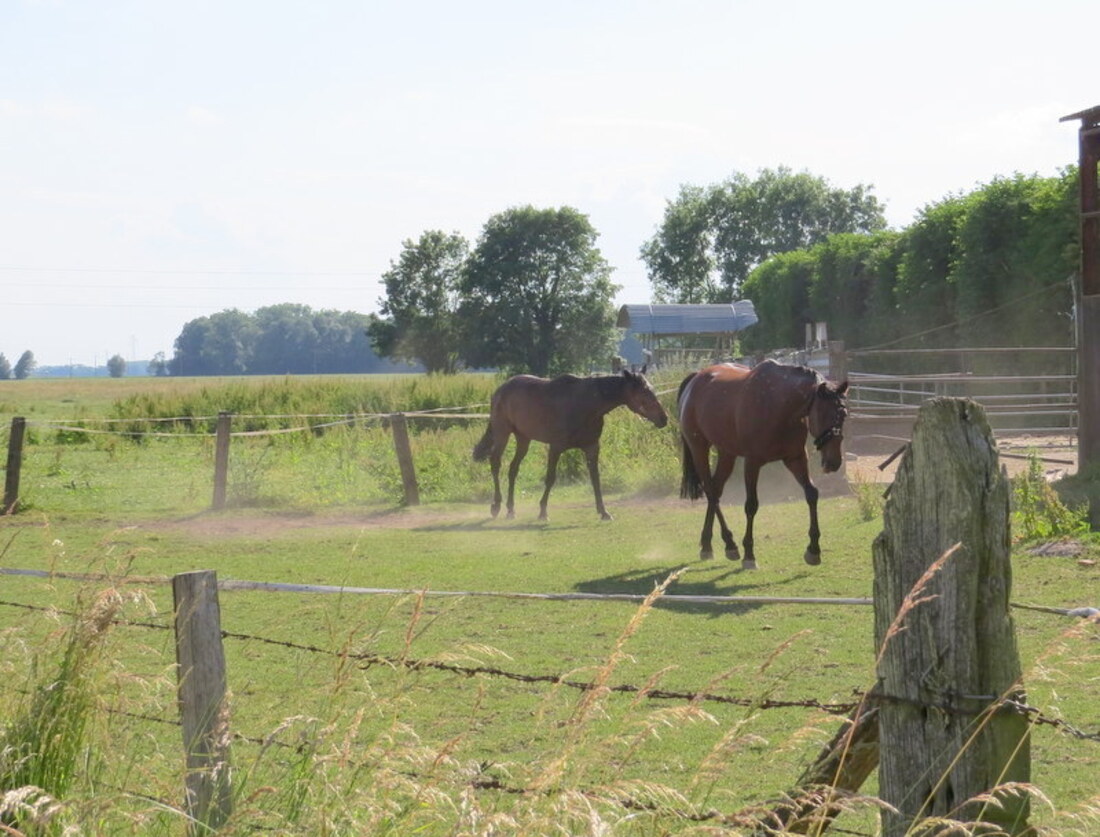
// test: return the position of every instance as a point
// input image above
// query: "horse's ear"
(644, 367)
(843, 388)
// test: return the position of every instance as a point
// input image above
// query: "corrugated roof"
(687, 319)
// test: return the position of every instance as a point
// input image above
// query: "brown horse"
(566, 412)
(763, 414)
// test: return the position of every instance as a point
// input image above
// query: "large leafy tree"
(220, 344)
(536, 294)
(712, 237)
(417, 321)
(286, 340)
(25, 365)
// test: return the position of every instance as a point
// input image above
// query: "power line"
(176, 272)
(115, 287)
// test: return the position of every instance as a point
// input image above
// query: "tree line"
(275, 340)
(994, 267)
(22, 369)
(534, 294)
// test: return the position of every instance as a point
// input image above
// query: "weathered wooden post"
(947, 647)
(405, 458)
(14, 466)
(838, 361)
(1088, 298)
(204, 710)
(221, 458)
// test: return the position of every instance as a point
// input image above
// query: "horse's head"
(641, 398)
(828, 410)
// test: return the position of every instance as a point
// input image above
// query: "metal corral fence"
(1039, 398)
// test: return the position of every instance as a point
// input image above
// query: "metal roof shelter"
(681, 333)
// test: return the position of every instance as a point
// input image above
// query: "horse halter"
(835, 430)
(824, 438)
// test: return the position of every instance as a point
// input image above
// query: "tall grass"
(346, 761)
(43, 747)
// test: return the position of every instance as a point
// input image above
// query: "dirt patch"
(240, 524)
(1057, 453)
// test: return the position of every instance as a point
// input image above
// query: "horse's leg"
(712, 489)
(522, 443)
(551, 476)
(752, 503)
(722, 470)
(592, 456)
(494, 466)
(801, 470)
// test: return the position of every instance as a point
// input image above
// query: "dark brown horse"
(763, 414)
(566, 412)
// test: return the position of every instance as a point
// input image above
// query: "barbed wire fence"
(649, 692)
(484, 779)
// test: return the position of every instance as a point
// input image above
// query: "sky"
(163, 160)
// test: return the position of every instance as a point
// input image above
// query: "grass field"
(329, 744)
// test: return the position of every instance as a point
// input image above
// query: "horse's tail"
(683, 386)
(484, 446)
(691, 487)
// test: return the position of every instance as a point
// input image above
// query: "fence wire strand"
(412, 664)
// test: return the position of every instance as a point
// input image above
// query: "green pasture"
(347, 719)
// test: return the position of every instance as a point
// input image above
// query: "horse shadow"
(732, 582)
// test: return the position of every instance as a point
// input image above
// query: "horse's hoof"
(605, 516)
(706, 553)
(733, 553)
(748, 564)
(494, 510)
(812, 558)
(511, 514)
(544, 516)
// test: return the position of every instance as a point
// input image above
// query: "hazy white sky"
(161, 160)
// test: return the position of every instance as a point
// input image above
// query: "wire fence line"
(649, 692)
(78, 425)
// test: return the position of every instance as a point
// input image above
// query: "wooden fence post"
(204, 711)
(405, 458)
(838, 361)
(947, 646)
(221, 458)
(15, 464)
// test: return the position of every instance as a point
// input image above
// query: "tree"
(711, 238)
(116, 366)
(158, 366)
(421, 302)
(286, 341)
(220, 344)
(5, 368)
(25, 365)
(536, 294)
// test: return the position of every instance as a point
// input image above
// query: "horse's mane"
(611, 386)
(788, 370)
